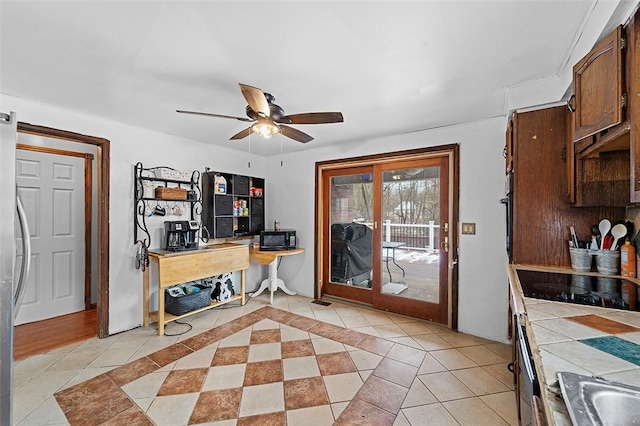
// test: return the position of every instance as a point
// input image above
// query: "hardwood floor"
(42, 336)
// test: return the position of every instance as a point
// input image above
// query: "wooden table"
(181, 267)
(390, 245)
(270, 257)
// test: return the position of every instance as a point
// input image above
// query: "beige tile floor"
(462, 379)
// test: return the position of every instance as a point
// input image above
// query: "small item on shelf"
(219, 184)
(276, 225)
(171, 193)
(148, 189)
(628, 260)
(168, 173)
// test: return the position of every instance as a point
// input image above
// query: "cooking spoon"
(618, 231)
(604, 227)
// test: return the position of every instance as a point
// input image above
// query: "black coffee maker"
(180, 235)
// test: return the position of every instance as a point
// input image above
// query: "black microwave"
(283, 239)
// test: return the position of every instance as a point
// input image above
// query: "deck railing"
(416, 237)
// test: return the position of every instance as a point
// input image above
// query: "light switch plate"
(468, 229)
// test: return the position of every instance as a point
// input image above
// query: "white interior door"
(52, 189)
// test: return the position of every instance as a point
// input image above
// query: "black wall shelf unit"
(144, 178)
(238, 212)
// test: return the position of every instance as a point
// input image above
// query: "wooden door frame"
(88, 158)
(102, 192)
(453, 150)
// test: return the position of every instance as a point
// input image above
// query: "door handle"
(445, 245)
(26, 256)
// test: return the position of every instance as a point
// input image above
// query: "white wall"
(130, 145)
(482, 267)
(290, 199)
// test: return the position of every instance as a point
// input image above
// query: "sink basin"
(595, 401)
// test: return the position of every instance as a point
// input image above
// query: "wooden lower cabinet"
(541, 213)
(181, 267)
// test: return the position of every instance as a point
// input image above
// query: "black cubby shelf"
(236, 213)
(169, 178)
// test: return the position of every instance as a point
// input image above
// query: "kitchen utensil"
(607, 241)
(573, 237)
(604, 227)
(618, 231)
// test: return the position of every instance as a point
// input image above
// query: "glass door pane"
(410, 223)
(412, 270)
(350, 239)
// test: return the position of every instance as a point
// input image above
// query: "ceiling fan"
(269, 118)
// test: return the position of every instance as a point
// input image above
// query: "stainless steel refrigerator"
(13, 229)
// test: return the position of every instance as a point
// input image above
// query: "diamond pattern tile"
(258, 368)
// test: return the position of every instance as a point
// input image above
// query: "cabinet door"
(541, 214)
(633, 112)
(598, 87)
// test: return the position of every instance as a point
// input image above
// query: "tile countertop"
(566, 337)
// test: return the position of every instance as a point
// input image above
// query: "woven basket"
(171, 193)
(187, 303)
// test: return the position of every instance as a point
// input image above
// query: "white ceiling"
(390, 67)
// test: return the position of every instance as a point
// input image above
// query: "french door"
(386, 226)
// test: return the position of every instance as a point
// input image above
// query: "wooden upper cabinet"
(633, 110)
(598, 81)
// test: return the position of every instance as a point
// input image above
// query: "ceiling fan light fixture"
(264, 128)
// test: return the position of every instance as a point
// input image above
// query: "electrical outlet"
(468, 229)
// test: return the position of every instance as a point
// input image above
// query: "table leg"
(145, 297)
(393, 258)
(273, 283)
(243, 298)
(160, 303)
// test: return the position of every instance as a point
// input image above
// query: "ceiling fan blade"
(312, 118)
(256, 99)
(241, 134)
(208, 114)
(295, 134)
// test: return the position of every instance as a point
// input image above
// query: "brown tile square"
(303, 323)
(269, 419)
(302, 393)
(93, 389)
(263, 372)
(132, 416)
(170, 354)
(350, 337)
(265, 336)
(93, 402)
(382, 394)
(282, 317)
(247, 320)
(226, 330)
(361, 413)
(603, 324)
(132, 371)
(375, 344)
(216, 405)
(326, 330)
(335, 363)
(396, 372)
(297, 348)
(201, 340)
(230, 355)
(183, 381)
